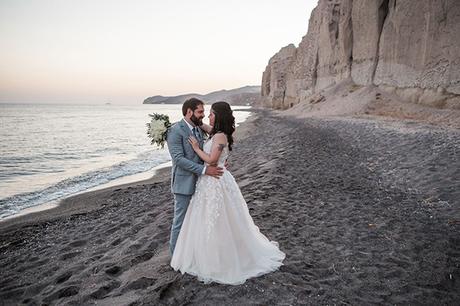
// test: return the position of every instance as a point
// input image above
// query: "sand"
(348, 99)
(367, 212)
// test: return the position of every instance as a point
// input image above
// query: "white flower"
(157, 128)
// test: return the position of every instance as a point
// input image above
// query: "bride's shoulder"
(219, 135)
(220, 138)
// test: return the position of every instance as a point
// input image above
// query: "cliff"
(247, 95)
(409, 49)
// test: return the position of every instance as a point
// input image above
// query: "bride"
(218, 241)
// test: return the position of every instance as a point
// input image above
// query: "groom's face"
(198, 115)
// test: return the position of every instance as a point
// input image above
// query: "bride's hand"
(195, 145)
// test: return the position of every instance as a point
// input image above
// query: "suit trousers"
(181, 202)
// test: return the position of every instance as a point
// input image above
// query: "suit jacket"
(186, 164)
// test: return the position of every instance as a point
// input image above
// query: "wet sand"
(367, 212)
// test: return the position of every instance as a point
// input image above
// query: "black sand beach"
(367, 212)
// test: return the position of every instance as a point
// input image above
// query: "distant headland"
(247, 95)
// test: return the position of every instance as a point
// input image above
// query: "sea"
(51, 151)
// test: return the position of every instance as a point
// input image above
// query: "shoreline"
(74, 204)
(59, 208)
(124, 182)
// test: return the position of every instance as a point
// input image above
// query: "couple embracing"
(213, 237)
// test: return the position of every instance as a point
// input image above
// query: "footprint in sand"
(141, 283)
(138, 259)
(63, 277)
(114, 270)
(63, 292)
(134, 248)
(69, 255)
(153, 245)
(116, 242)
(105, 289)
(77, 243)
(111, 230)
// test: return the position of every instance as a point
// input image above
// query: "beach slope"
(367, 212)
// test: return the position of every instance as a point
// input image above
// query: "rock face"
(410, 48)
(247, 95)
(275, 76)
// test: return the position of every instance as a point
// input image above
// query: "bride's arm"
(219, 141)
(206, 127)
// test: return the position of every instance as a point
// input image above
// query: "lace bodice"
(207, 149)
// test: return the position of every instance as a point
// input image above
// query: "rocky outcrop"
(410, 48)
(247, 95)
(275, 76)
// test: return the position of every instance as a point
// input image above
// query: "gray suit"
(186, 167)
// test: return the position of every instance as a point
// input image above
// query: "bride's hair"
(224, 121)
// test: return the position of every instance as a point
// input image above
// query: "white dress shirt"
(191, 129)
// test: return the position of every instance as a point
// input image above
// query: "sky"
(98, 51)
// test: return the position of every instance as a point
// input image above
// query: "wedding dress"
(219, 241)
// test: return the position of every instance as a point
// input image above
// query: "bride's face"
(212, 118)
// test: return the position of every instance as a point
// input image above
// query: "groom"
(186, 165)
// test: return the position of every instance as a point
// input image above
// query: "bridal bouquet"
(157, 129)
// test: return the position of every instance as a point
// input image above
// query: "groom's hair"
(191, 103)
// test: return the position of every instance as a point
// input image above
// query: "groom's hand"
(214, 171)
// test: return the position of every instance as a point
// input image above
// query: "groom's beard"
(197, 121)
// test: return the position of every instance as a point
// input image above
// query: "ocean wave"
(142, 163)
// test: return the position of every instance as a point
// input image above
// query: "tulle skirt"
(219, 241)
